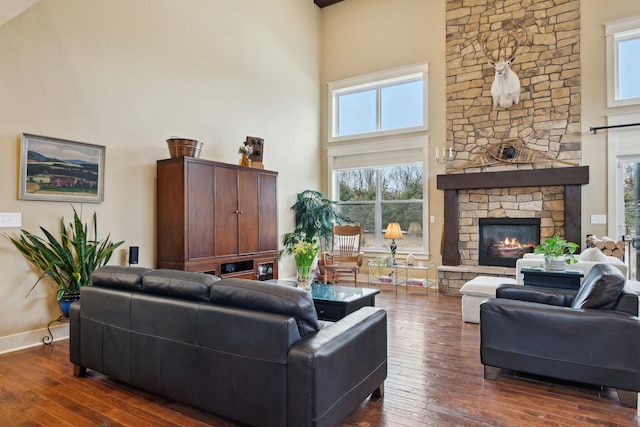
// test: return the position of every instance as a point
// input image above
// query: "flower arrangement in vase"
(305, 253)
(245, 151)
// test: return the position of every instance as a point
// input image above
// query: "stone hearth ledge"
(452, 277)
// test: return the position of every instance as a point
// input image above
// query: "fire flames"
(510, 247)
(511, 243)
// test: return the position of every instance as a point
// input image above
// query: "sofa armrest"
(74, 336)
(557, 297)
(332, 371)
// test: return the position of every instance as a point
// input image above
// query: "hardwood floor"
(435, 379)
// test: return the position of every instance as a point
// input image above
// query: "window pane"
(628, 68)
(402, 182)
(401, 105)
(356, 185)
(361, 213)
(409, 215)
(357, 112)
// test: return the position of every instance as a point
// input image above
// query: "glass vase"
(304, 276)
(245, 160)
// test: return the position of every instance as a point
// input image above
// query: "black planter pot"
(66, 300)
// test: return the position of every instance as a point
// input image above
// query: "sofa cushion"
(119, 277)
(592, 254)
(179, 284)
(269, 297)
(600, 289)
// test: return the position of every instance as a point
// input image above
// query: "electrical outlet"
(598, 219)
(11, 220)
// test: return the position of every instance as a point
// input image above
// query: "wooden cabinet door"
(200, 210)
(226, 211)
(268, 221)
(248, 216)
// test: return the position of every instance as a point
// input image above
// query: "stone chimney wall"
(546, 119)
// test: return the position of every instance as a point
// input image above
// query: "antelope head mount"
(505, 89)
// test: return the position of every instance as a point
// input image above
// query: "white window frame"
(385, 152)
(622, 146)
(615, 32)
(377, 80)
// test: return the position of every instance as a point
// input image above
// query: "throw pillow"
(600, 289)
(592, 254)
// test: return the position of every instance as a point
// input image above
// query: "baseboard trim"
(30, 339)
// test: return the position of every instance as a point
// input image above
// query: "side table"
(568, 279)
(400, 275)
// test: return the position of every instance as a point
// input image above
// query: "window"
(623, 62)
(387, 183)
(385, 103)
(376, 196)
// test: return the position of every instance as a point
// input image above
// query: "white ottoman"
(477, 290)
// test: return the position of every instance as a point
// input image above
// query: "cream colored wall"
(365, 36)
(594, 14)
(128, 74)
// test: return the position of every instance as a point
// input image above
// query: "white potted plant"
(557, 253)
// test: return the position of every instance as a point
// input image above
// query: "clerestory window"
(623, 62)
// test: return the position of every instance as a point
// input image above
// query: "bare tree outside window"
(380, 195)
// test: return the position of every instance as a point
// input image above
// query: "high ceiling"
(9, 9)
(324, 3)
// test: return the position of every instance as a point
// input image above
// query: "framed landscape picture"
(57, 170)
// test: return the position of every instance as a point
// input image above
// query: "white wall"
(128, 74)
(594, 14)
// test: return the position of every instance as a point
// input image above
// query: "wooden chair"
(345, 257)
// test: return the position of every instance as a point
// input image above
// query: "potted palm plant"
(315, 215)
(68, 261)
(557, 253)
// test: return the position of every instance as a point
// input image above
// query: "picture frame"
(53, 169)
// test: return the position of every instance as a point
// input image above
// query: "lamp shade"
(393, 231)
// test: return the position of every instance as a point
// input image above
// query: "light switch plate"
(598, 219)
(11, 220)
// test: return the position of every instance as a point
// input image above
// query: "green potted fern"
(315, 215)
(68, 261)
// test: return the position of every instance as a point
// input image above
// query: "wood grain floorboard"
(435, 379)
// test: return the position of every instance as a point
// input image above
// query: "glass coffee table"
(334, 302)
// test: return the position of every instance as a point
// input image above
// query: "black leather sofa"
(249, 351)
(590, 336)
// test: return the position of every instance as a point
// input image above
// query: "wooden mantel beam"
(515, 178)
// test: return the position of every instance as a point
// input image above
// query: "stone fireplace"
(553, 195)
(546, 120)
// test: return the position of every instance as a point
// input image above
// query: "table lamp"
(393, 232)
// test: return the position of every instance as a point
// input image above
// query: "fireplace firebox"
(502, 241)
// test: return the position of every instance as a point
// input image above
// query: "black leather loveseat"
(249, 351)
(591, 335)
